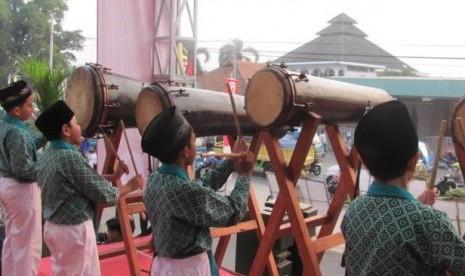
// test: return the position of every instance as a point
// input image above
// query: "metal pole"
(50, 58)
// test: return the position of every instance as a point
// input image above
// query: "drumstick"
(236, 118)
(459, 227)
(442, 132)
(110, 145)
(129, 147)
(232, 155)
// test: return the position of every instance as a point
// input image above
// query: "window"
(316, 72)
(329, 73)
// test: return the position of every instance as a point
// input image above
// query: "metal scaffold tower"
(175, 46)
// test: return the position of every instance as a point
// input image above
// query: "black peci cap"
(166, 135)
(386, 138)
(53, 118)
(14, 94)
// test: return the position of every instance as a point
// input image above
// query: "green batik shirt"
(18, 150)
(181, 211)
(388, 232)
(70, 186)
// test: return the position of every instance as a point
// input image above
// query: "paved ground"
(330, 264)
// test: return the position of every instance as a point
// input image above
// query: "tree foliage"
(46, 82)
(403, 73)
(236, 50)
(25, 31)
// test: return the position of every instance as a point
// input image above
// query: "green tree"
(45, 81)
(403, 73)
(25, 31)
(236, 50)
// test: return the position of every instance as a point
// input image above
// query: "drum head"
(152, 100)
(265, 98)
(82, 95)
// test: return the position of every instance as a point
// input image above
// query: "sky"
(427, 35)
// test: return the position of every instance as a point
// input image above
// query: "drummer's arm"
(216, 177)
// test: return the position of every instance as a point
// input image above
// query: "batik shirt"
(70, 186)
(18, 150)
(182, 211)
(388, 232)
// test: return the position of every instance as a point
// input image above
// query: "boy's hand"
(137, 182)
(246, 164)
(121, 168)
(239, 146)
(427, 197)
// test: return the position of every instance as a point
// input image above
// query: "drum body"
(209, 112)
(457, 129)
(100, 98)
(276, 97)
(457, 132)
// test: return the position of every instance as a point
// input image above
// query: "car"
(287, 144)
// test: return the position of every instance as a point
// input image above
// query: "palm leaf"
(236, 50)
(48, 83)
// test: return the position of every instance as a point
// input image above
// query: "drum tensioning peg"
(302, 77)
(112, 86)
(108, 128)
(113, 105)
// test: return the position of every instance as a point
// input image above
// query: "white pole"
(50, 59)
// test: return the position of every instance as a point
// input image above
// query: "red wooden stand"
(133, 203)
(311, 250)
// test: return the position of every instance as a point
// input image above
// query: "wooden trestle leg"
(255, 223)
(133, 203)
(127, 205)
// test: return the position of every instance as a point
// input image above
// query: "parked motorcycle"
(447, 162)
(315, 167)
(444, 185)
(332, 182)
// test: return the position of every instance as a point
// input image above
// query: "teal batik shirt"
(388, 232)
(182, 211)
(70, 185)
(18, 150)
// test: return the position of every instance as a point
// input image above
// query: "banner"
(125, 30)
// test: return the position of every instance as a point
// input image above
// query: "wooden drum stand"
(311, 250)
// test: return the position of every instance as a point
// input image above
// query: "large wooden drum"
(276, 97)
(209, 112)
(457, 125)
(101, 98)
